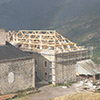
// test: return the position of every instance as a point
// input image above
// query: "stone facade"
(17, 75)
(60, 68)
(43, 66)
(57, 69)
(65, 70)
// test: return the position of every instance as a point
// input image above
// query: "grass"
(80, 96)
(22, 95)
(97, 55)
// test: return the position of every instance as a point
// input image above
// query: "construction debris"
(86, 85)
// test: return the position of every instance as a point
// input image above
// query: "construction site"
(55, 56)
(31, 59)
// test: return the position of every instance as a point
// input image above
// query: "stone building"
(17, 71)
(57, 68)
(87, 69)
(55, 56)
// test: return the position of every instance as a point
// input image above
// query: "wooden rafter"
(39, 40)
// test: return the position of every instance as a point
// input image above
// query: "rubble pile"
(87, 85)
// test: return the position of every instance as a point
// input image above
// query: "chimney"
(3, 34)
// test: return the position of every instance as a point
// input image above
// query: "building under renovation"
(55, 56)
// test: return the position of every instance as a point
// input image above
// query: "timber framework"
(42, 40)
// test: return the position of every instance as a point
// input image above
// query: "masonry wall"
(16, 75)
(60, 68)
(2, 36)
(40, 67)
(65, 69)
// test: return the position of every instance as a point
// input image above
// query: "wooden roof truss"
(40, 40)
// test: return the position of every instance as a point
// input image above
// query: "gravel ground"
(49, 92)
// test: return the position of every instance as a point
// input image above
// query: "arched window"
(10, 77)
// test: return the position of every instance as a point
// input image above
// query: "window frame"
(45, 64)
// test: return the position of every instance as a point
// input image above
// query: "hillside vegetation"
(43, 14)
(84, 30)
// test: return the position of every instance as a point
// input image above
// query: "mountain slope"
(84, 30)
(79, 20)
(43, 14)
(19, 14)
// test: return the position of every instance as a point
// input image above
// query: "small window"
(46, 75)
(45, 64)
(35, 62)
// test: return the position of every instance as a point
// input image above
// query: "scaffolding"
(61, 52)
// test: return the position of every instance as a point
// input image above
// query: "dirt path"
(49, 92)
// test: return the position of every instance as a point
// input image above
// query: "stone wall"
(3, 37)
(65, 69)
(40, 67)
(16, 75)
(60, 69)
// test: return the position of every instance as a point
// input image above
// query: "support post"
(53, 70)
(33, 73)
(93, 78)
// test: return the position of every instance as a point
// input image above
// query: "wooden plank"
(9, 96)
